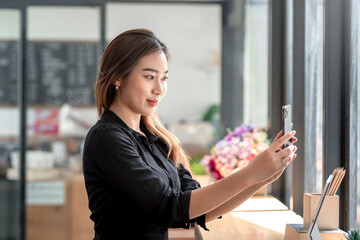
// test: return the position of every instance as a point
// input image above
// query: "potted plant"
(353, 235)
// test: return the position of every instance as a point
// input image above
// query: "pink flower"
(261, 146)
(244, 155)
(235, 151)
(228, 137)
(243, 163)
(212, 164)
(260, 136)
(239, 131)
(216, 175)
(251, 157)
(225, 170)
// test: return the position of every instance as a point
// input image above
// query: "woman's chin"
(148, 114)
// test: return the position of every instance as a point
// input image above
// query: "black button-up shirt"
(134, 191)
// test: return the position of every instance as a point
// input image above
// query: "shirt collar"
(111, 116)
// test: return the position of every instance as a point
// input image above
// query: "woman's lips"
(153, 103)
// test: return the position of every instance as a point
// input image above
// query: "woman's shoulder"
(107, 130)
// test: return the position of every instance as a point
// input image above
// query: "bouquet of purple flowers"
(235, 151)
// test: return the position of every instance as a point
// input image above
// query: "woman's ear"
(117, 83)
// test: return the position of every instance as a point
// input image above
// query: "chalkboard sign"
(57, 73)
(8, 72)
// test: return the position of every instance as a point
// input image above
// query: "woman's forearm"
(233, 202)
(206, 199)
(264, 167)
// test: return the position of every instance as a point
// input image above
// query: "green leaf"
(210, 113)
(353, 235)
(197, 168)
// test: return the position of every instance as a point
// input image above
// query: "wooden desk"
(262, 218)
(69, 221)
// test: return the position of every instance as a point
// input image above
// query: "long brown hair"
(117, 61)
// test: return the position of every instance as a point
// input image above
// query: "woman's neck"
(128, 117)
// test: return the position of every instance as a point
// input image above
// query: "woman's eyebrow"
(153, 70)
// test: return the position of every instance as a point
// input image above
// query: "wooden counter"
(260, 217)
(70, 220)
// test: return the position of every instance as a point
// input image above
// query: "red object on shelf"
(45, 122)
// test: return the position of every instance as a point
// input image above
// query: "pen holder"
(328, 218)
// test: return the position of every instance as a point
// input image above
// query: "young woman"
(136, 173)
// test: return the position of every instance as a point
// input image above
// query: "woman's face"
(143, 89)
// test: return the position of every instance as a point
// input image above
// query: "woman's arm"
(204, 200)
(247, 193)
(240, 198)
(234, 202)
(261, 168)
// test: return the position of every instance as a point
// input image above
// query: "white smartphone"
(286, 122)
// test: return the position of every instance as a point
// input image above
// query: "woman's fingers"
(277, 136)
(278, 144)
(288, 159)
(274, 159)
(287, 155)
(293, 140)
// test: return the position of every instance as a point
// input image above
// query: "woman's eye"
(165, 78)
(149, 77)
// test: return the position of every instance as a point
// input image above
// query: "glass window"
(256, 63)
(62, 62)
(319, 66)
(314, 67)
(195, 47)
(63, 47)
(358, 148)
(10, 123)
(194, 84)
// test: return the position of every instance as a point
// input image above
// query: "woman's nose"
(158, 89)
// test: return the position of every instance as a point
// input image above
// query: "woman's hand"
(278, 174)
(270, 164)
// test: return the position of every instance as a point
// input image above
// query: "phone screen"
(286, 121)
